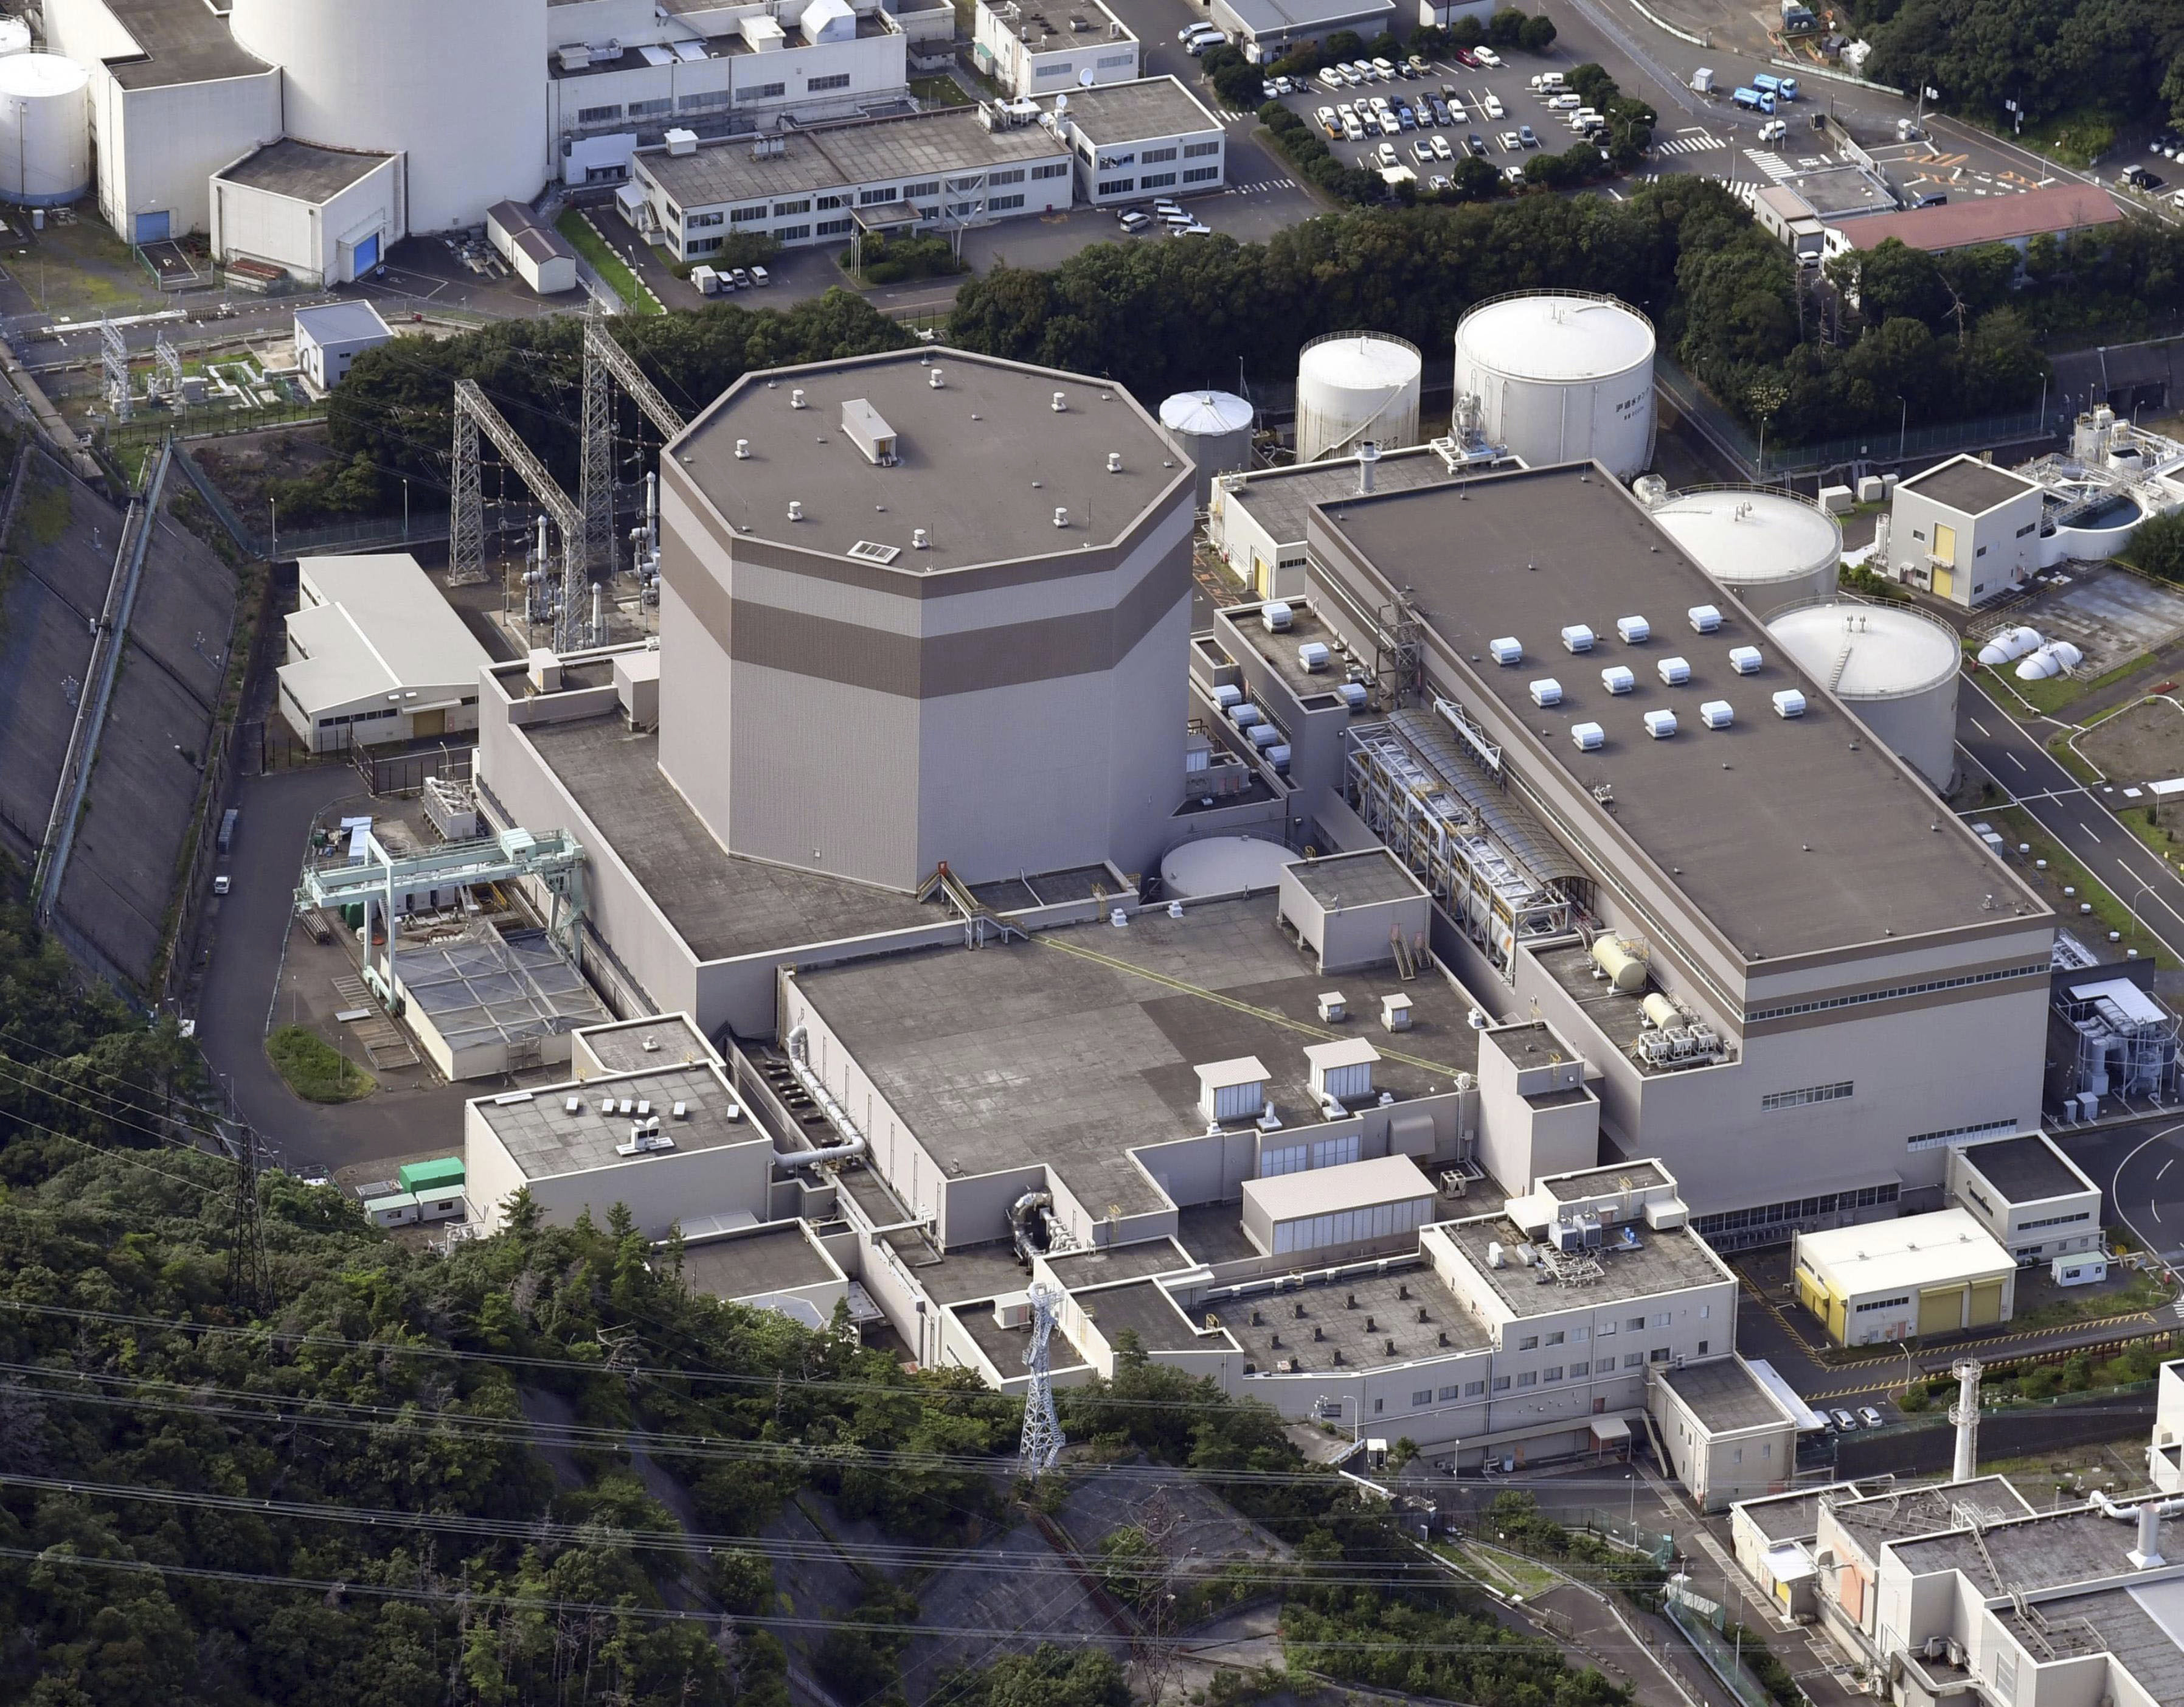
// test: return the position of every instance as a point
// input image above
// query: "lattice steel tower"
(1043, 1439)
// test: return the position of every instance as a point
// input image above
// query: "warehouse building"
(324, 216)
(1266, 29)
(535, 252)
(2033, 1199)
(1940, 1273)
(375, 654)
(1029, 51)
(1966, 530)
(1131, 141)
(331, 335)
(1731, 1434)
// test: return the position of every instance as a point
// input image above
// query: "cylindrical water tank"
(1352, 387)
(1624, 970)
(1223, 865)
(1663, 1012)
(14, 37)
(462, 88)
(1561, 376)
(1893, 666)
(1213, 429)
(45, 131)
(1772, 550)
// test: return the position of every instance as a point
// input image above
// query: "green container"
(352, 914)
(426, 1178)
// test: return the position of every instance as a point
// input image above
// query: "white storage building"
(331, 335)
(376, 655)
(1133, 141)
(1966, 530)
(1918, 1276)
(2029, 1195)
(1032, 49)
(324, 216)
(538, 253)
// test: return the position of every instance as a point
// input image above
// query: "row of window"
(1797, 1209)
(1882, 1305)
(698, 222)
(1296, 1158)
(761, 91)
(1352, 1226)
(1810, 1094)
(1201, 175)
(1153, 157)
(349, 718)
(1011, 175)
(1895, 994)
(652, 109)
(1194, 151)
(744, 216)
(1927, 1140)
(1156, 181)
(833, 228)
(1002, 205)
(1052, 169)
(701, 246)
(1117, 186)
(818, 86)
(2056, 1221)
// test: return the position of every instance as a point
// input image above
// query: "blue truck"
(1781, 88)
(1755, 100)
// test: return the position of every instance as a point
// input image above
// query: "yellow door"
(427, 723)
(1986, 1303)
(1945, 559)
(1945, 582)
(1262, 576)
(1942, 1310)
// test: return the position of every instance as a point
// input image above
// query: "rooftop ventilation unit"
(1789, 703)
(919, 539)
(1577, 638)
(1313, 655)
(1396, 1012)
(1354, 695)
(1333, 1006)
(1506, 650)
(872, 551)
(1661, 725)
(1228, 695)
(1717, 714)
(1265, 736)
(795, 510)
(575, 1105)
(1635, 630)
(1243, 714)
(1745, 660)
(1617, 679)
(743, 451)
(935, 380)
(1061, 515)
(869, 432)
(1705, 619)
(1275, 615)
(796, 397)
(1590, 738)
(1061, 403)
(1675, 671)
(681, 143)
(1547, 691)
(1114, 462)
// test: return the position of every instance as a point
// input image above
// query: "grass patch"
(584, 237)
(2066, 755)
(314, 1070)
(2014, 825)
(940, 91)
(2142, 1293)
(2059, 693)
(2076, 139)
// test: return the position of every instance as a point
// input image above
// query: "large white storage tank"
(1894, 666)
(1560, 377)
(1213, 429)
(1222, 865)
(462, 88)
(1770, 548)
(1352, 387)
(44, 130)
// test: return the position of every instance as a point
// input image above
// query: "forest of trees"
(407, 1481)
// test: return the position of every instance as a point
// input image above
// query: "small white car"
(1387, 156)
(761, 277)
(1843, 1420)
(1441, 151)
(1422, 151)
(1136, 220)
(1488, 58)
(1510, 144)
(1384, 68)
(1563, 103)
(1457, 115)
(219, 885)
(1193, 229)
(1391, 125)
(1493, 105)
(1868, 1416)
(1353, 129)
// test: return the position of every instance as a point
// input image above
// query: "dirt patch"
(243, 465)
(2142, 742)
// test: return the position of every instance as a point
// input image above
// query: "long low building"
(376, 655)
(1913, 1278)
(941, 170)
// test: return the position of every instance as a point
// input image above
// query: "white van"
(1546, 82)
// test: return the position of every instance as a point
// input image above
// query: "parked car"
(1868, 1416)
(742, 276)
(1417, 64)
(761, 277)
(1385, 68)
(1452, 113)
(1843, 1420)
(1563, 103)
(219, 885)
(1422, 151)
(1135, 219)
(1494, 106)
(1468, 56)
(1441, 151)
(1476, 143)
(1441, 181)
(1488, 58)
(1774, 130)
(1194, 229)
(1389, 127)
(1511, 142)
(1353, 129)
(1525, 136)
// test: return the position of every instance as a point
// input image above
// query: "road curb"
(1662, 24)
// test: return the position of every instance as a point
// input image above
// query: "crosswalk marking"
(1776, 168)
(1689, 145)
(1261, 187)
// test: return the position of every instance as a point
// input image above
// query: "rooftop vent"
(1061, 517)
(1590, 738)
(872, 551)
(1745, 660)
(1633, 629)
(935, 380)
(1313, 655)
(1717, 714)
(1577, 638)
(1275, 615)
(919, 539)
(1114, 462)
(1396, 1012)
(743, 451)
(869, 432)
(795, 510)
(1675, 671)
(1661, 725)
(1705, 618)
(796, 398)
(1506, 650)
(1789, 703)
(1061, 403)
(1232, 1090)
(1333, 1006)
(1547, 691)
(1617, 679)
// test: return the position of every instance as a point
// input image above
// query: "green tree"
(1537, 33)
(1505, 26)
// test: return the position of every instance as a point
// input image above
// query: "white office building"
(1032, 50)
(331, 335)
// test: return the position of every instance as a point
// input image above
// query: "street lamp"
(1903, 427)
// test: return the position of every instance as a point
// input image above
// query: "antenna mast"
(1043, 1439)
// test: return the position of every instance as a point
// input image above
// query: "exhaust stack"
(1965, 1413)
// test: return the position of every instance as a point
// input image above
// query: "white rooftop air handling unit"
(1508, 649)
(1561, 376)
(1892, 666)
(828, 20)
(1355, 386)
(1772, 550)
(456, 87)
(1661, 725)
(45, 131)
(1213, 429)
(1674, 671)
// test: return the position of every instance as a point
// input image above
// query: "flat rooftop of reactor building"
(1356, 1316)
(1791, 840)
(745, 1265)
(546, 1139)
(181, 42)
(1659, 1262)
(2025, 1169)
(981, 464)
(1907, 1513)
(303, 170)
(1085, 1041)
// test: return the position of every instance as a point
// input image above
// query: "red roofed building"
(2059, 209)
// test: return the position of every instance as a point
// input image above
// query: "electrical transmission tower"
(595, 491)
(467, 517)
(114, 359)
(1043, 1439)
(249, 1286)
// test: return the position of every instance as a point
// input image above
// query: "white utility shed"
(376, 655)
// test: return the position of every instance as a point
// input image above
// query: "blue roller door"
(366, 256)
(152, 228)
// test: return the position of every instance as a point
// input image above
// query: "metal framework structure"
(380, 880)
(1462, 843)
(473, 415)
(606, 365)
(1043, 1438)
(114, 362)
(2127, 1041)
(170, 363)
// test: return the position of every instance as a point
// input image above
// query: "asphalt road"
(2076, 816)
(2140, 1169)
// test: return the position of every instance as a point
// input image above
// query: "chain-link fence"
(1723, 1658)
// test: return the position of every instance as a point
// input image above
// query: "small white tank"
(1625, 971)
(1561, 376)
(1354, 386)
(1772, 550)
(45, 131)
(1213, 429)
(1895, 667)
(2009, 645)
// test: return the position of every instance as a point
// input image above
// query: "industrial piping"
(798, 1043)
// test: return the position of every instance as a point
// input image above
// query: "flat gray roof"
(546, 1140)
(745, 1265)
(1724, 1396)
(2024, 1170)
(1786, 837)
(1025, 1054)
(1905, 1514)
(1271, 17)
(303, 170)
(1357, 879)
(1596, 1181)
(1966, 484)
(1113, 113)
(1662, 1263)
(1355, 1316)
(345, 322)
(183, 42)
(942, 141)
(1141, 1307)
(1279, 499)
(1786, 1516)
(1313, 688)
(623, 1048)
(2141, 1624)
(1138, 1262)
(2045, 1550)
(721, 905)
(965, 1274)
(981, 464)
